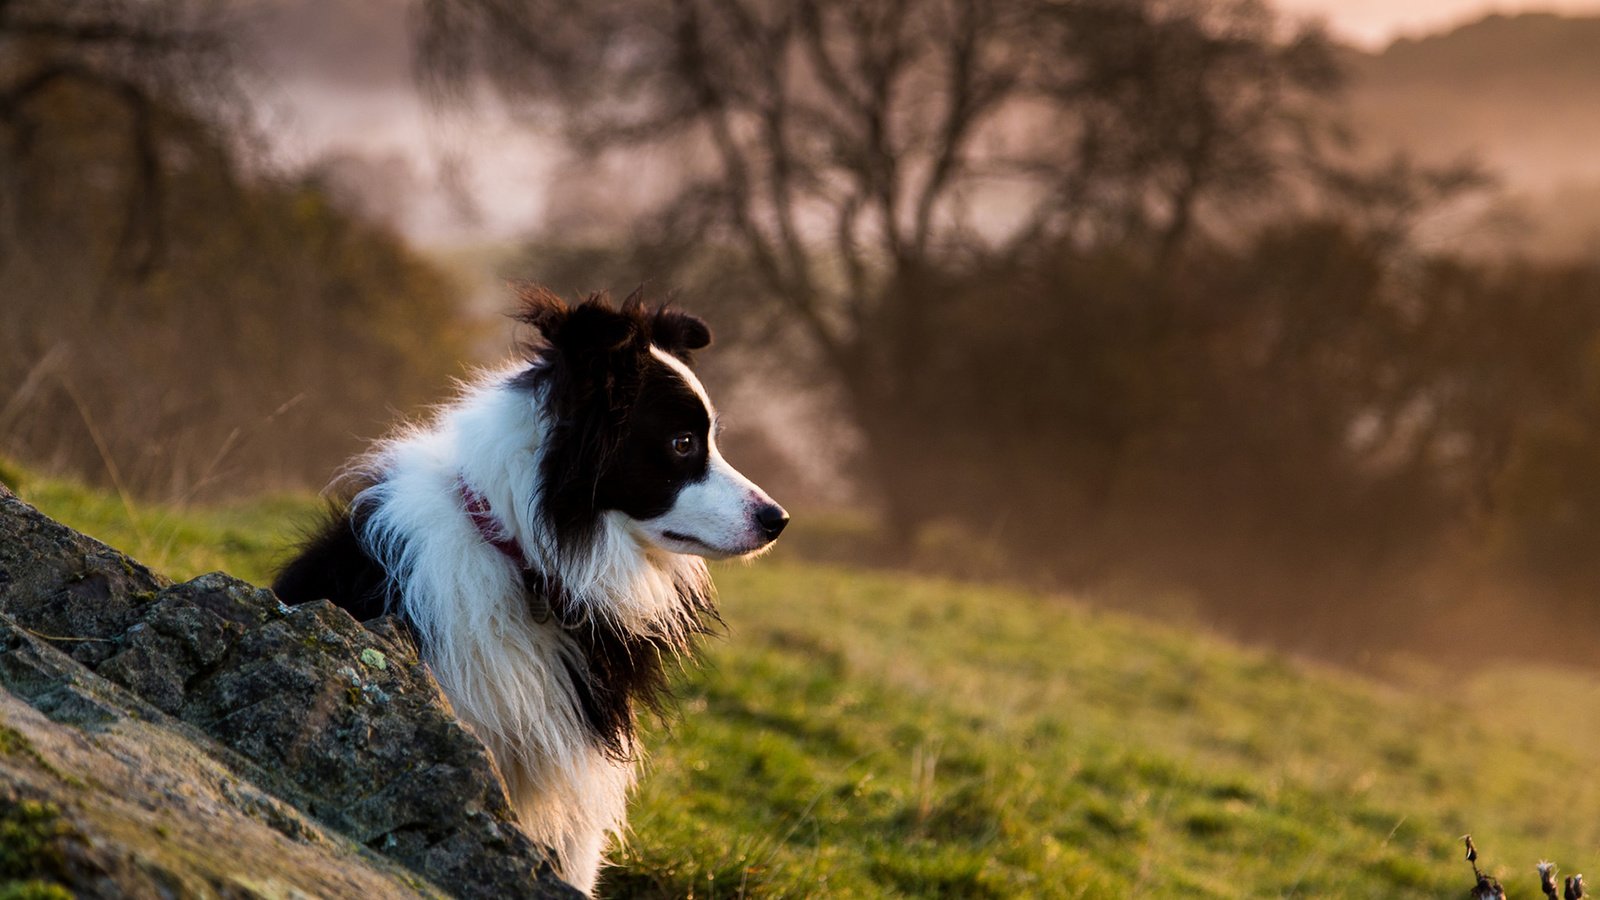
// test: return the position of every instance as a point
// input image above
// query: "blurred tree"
(176, 321)
(1173, 105)
(859, 152)
(148, 67)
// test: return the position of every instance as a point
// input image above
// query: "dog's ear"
(590, 329)
(594, 329)
(633, 304)
(539, 307)
(601, 350)
(679, 333)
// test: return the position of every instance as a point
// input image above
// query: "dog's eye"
(683, 444)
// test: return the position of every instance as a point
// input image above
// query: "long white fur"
(505, 673)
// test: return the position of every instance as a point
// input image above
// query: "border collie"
(544, 539)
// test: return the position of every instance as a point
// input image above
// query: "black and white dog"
(544, 538)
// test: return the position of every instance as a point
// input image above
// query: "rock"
(204, 739)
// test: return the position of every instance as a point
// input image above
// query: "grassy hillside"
(863, 734)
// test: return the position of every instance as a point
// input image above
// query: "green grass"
(863, 734)
(247, 539)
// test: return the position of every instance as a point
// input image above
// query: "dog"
(544, 538)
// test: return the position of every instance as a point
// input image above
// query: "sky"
(1372, 23)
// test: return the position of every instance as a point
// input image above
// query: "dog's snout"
(772, 518)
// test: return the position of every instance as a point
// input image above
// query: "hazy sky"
(1372, 23)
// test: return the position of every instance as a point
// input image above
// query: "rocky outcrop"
(203, 739)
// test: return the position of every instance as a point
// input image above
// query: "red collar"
(545, 593)
(488, 526)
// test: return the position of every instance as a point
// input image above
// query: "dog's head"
(634, 432)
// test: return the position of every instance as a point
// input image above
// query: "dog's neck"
(489, 528)
(546, 596)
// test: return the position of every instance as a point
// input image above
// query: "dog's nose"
(772, 518)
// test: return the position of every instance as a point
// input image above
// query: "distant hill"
(1520, 94)
(1522, 91)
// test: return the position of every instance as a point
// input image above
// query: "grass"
(866, 734)
(248, 539)
(30, 835)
